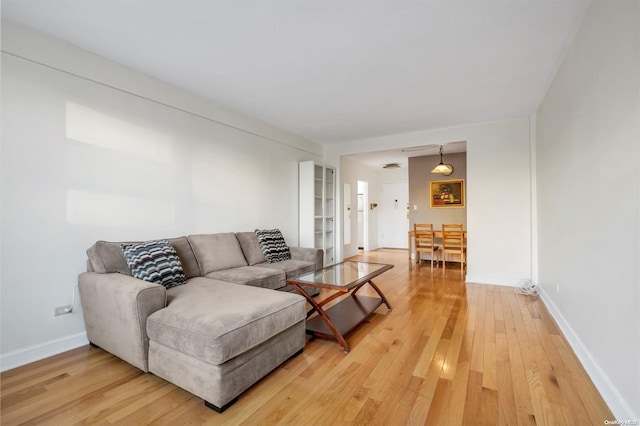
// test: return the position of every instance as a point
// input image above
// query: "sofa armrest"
(115, 309)
(308, 254)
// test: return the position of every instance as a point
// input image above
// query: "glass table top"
(343, 275)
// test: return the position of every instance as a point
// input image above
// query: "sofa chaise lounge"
(232, 322)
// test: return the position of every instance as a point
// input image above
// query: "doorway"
(363, 215)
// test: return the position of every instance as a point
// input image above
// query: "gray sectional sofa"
(215, 335)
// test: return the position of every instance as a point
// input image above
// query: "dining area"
(438, 246)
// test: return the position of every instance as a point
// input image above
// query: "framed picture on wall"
(447, 193)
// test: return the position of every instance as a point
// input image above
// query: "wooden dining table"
(437, 234)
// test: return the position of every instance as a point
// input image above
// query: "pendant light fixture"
(444, 169)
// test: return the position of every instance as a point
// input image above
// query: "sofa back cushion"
(215, 252)
(251, 247)
(107, 257)
(189, 262)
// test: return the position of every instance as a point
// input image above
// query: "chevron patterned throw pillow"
(156, 262)
(273, 246)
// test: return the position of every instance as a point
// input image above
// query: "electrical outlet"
(557, 287)
(62, 310)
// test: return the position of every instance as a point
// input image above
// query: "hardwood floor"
(447, 354)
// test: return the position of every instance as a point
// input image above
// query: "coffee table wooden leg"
(384, 299)
(323, 302)
(317, 307)
(375, 287)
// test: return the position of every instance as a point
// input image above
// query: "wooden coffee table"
(343, 278)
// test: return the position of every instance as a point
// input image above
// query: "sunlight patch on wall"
(92, 208)
(96, 128)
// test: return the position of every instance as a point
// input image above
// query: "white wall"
(92, 150)
(588, 158)
(498, 192)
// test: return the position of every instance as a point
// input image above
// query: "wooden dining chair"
(453, 244)
(425, 242)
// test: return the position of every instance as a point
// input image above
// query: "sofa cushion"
(290, 267)
(215, 252)
(187, 258)
(251, 247)
(156, 262)
(107, 257)
(273, 246)
(215, 321)
(251, 275)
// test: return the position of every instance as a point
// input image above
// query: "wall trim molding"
(350, 254)
(44, 50)
(615, 400)
(40, 351)
(478, 279)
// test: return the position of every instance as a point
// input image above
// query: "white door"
(360, 221)
(394, 223)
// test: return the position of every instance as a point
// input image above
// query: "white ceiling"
(331, 70)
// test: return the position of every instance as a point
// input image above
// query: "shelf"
(317, 202)
(346, 315)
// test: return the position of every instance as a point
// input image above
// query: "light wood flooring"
(449, 353)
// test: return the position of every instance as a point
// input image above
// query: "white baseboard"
(43, 350)
(614, 399)
(476, 279)
(350, 254)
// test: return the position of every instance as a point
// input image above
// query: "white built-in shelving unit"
(317, 190)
